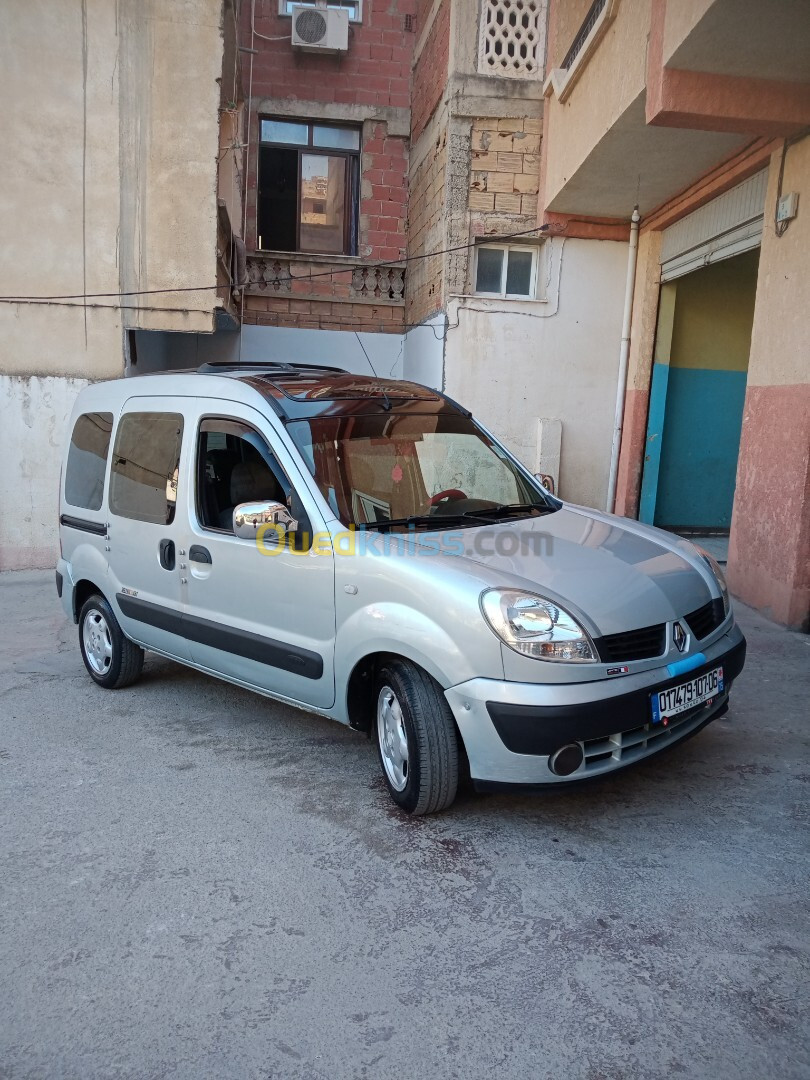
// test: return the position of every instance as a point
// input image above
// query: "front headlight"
(536, 627)
(720, 577)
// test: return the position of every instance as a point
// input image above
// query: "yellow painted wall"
(714, 310)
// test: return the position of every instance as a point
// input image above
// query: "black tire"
(432, 768)
(125, 662)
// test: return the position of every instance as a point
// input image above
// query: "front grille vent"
(626, 746)
(641, 644)
(705, 619)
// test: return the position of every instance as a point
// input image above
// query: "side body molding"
(276, 654)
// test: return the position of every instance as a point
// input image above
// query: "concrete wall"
(769, 552)
(423, 354)
(363, 354)
(515, 363)
(35, 411)
(107, 183)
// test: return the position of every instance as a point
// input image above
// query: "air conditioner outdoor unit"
(320, 29)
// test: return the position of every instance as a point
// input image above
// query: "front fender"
(403, 631)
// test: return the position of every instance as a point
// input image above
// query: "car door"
(262, 614)
(147, 520)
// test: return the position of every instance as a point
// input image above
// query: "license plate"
(686, 695)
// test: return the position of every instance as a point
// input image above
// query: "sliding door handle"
(197, 553)
(166, 554)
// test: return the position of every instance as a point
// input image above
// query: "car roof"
(294, 391)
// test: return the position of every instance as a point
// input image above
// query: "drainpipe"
(624, 356)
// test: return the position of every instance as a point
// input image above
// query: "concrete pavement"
(198, 883)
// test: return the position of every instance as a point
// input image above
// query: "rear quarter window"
(87, 460)
(145, 466)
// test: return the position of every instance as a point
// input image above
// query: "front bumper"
(511, 729)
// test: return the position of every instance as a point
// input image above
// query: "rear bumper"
(64, 587)
(511, 729)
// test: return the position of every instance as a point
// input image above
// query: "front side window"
(87, 460)
(235, 465)
(506, 270)
(145, 467)
(383, 469)
(308, 187)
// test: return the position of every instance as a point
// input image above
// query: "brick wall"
(427, 222)
(505, 166)
(375, 70)
(308, 314)
(384, 195)
(322, 293)
(430, 71)
(368, 84)
(427, 194)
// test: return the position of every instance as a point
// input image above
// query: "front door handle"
(166, 549)
(197, 553)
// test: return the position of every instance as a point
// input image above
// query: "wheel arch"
(82, 591)
(359, 697)
(360, 689)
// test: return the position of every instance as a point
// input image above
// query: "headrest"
(252, 480)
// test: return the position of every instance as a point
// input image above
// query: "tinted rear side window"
(146, 460)
(87, 460)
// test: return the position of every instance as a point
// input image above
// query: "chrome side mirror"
(249, 517)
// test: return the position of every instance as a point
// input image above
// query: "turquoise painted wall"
(699, 448)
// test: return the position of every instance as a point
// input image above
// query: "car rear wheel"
(112, 660)
(416, 739)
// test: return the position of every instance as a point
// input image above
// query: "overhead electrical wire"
(295, 277)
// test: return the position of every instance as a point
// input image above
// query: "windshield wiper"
(439, 521)
(508, 509)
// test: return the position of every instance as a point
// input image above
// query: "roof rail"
(222, 367)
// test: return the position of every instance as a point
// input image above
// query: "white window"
(506, 270)
(354, 7)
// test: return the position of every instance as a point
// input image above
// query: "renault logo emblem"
(679, 636)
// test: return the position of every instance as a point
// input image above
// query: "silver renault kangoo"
(364, 549)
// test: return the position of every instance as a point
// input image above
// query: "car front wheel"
(112, 659)
(416, 739)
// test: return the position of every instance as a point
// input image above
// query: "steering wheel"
(448, 493)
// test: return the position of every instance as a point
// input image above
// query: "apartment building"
(119, 200)
(328, 90)
(698, 111)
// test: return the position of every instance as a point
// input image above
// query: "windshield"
(407, 468)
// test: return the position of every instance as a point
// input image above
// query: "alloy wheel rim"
(393, 738)
(97, 642)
